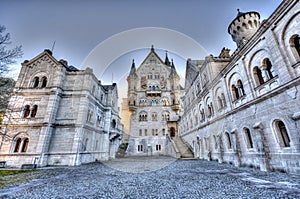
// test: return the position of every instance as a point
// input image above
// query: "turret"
(244, 26)
(131, 80)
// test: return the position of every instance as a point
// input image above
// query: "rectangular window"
(156, 132)
(145, 132)
(89, 116)
(158, 147)
(140, 132)
(152, 132)
(98, 120)
(140, 148)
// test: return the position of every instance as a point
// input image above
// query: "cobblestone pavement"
(168, 179)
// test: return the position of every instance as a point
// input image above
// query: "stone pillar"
(264, 72)
(201, 156)
(262, 147)
(220, 149)
(197, 151)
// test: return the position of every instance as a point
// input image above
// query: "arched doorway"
(172, 132)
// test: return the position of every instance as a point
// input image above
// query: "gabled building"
(153, 100)
(59, 115)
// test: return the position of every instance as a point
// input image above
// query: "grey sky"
(78, 26)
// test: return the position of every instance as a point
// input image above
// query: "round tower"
(244, 26)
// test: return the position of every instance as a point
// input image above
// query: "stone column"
(221, 149)
(201, 156)
(197, 151)
(264, 72)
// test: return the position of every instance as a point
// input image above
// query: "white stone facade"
(59, 115)
(154, 103)
(244, 108)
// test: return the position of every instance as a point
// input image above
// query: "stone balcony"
(153, 93)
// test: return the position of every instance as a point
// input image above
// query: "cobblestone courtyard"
(170, 178)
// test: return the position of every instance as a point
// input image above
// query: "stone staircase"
(184, 150)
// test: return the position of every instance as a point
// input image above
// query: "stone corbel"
(258, 126)
(296, 116)
(233, 131)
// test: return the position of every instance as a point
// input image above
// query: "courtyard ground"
(144, 177)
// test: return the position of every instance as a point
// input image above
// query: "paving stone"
(176, 179)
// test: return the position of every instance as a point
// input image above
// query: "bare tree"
(7, 56)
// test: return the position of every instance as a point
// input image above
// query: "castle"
(59, 115)
(244, 109)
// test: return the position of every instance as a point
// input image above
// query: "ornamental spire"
(167, 61)
(132, 70)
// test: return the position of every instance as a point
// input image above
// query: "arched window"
(113, 123)
(223, 100)
(164, 132)
(235, 92)
(165, 116)
(143, 116)
(212, 108)
(34, 111)
(18, 145)
(209, 111)
(267, 65)
(250, 24)
(295, 45)
(255, 23)
(154, 116)
(44, 82)
(282, 134)
(25, 145)
(140, 132)
(35, 82)
(26, 111)
(85, 144)
(168, 117)
(215, 142)
(220, 104)
(248, 138)
(228, 140)
(202, 114)
(258, 76)
(240, 87)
